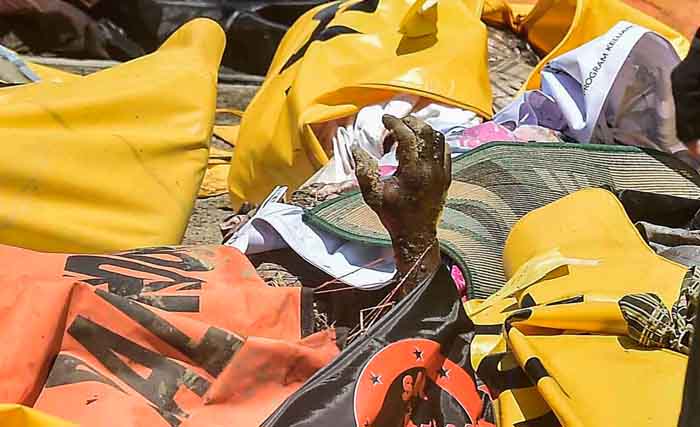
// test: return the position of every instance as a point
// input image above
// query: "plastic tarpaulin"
(215, 179)
(615, 89)
(558, 352)
(163, 336)
(342, 56)
(113, 160)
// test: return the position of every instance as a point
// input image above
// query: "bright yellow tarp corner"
(12, 415)
(565, 330)
(113, 160)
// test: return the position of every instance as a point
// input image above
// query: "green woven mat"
(495, 185)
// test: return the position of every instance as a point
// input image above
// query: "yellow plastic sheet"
(591, 224)
(565, 333)
(20, 416)
(113, 160)
(342, 56)
(555, 27)
(52, 74)
(216, 177)
(604, 380)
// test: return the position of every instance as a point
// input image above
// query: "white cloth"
(615, 89)
(368, 132)
(450, 121)
(278, 225)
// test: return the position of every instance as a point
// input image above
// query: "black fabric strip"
(499, 381)
(546, 420)
(307, 312)
(573, 300)
(518, 316)
(535, 369)
(367, 6)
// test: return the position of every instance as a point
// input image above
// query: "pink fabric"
(460, 282)
(483, 133)
(528, 133)
(387, 170)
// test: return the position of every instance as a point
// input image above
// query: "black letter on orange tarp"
(186, 262)
(212, 353)
(161, 385)
(67, 369)
(131, 285)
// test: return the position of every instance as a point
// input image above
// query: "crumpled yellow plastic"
(215, 180)
(590, 224)
(12, 415)
(113, 160)
(534, 270)
(565, 331)
(554, 27)
(342, 56)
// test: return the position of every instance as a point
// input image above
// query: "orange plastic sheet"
(158, 337)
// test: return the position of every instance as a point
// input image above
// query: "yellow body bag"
(342, 56)
(562, 328)
(113, 160)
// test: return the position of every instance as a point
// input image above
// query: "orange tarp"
(153, 337)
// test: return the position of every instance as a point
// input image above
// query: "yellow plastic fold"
(340, 57)
(565, 331)
(554, 27)
(529, 273)
(52, 74)
(215, 179)
(591, 224)
(12, 415)
(113, 160)
(227, 133)
(605, 380)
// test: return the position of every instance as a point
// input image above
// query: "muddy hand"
(410, 202)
